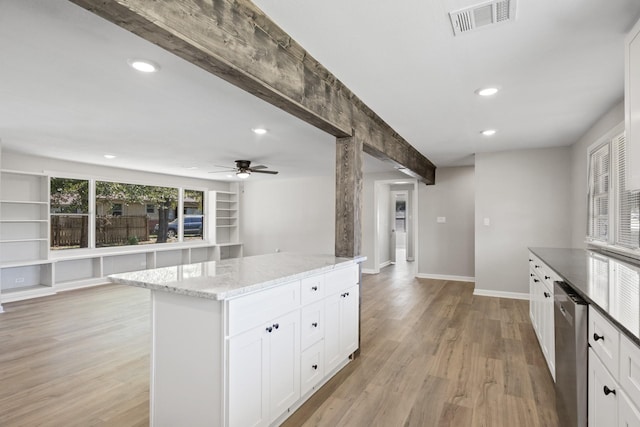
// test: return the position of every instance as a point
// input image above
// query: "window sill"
(619, 250)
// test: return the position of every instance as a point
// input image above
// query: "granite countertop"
(225, 279)
(610, 283)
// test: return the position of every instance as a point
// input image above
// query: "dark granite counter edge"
(586, 297)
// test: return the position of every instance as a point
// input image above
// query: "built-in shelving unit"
(24, 235)
(226, 233)
(28, 268)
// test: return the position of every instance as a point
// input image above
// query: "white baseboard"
(384, 264)
(369, 271)
(500, 294)
(446, 277)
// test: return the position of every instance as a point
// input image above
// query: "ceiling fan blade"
(264, 171)
(259, 167)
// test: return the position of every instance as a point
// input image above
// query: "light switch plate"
(487, 222)
(441, 219)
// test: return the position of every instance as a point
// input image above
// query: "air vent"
(482, 15)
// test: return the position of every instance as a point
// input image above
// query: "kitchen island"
(244, 342)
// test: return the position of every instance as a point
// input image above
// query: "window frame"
(92, 214)
(613, 212)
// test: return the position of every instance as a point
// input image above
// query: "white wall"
(526, 196)
(604, 125)
(447, 249)
(63, 168)
(292, 215)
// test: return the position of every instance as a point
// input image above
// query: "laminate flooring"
(432, 354)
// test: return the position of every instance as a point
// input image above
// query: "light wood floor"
(432, 355)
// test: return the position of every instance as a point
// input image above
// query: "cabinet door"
(628, 415)
(549, 330)
(532, 300)
(603, 394)
(349, 315)
(249, 378)
(284, 364)
(332, 353)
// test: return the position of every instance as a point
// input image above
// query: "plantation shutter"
(628, 209)
(599, 193)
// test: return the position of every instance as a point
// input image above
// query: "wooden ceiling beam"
(236, 41)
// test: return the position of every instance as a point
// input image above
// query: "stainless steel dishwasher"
(570, 317)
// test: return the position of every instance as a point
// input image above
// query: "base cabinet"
(541, 309)
(341, 326)
(614, 377)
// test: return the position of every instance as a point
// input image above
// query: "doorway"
(395, 238)
(399, 226)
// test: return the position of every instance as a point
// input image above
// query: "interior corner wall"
(447, 249)
(579, 177)
(289, 215)
(526, 197)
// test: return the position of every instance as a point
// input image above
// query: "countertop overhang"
(220, 280)
(609, 283)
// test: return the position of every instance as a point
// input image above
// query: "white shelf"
(23, 202)
(42, 221)
(24, 240)
(229, 244)
(16, 264)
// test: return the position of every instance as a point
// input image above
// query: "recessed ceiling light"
(229, 176)
(190, 167)
(489, 132)
(487, 91)
(259, 131)
(109, 156)
(144, 65)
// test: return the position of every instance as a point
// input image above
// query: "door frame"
(378, 187)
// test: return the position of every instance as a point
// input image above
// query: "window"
(69, 211)
(614, 212)
(122, 216)
(192, 206)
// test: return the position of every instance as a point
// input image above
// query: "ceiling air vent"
(482, 15)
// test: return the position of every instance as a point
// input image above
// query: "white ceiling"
(66, 90)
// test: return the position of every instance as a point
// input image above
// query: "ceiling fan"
(244, 169)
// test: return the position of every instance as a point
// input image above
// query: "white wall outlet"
(441, 219)
(487, 222)
(19, 279)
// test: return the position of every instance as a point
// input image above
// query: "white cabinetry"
(632, 107)
(264, 371)
(614, 378)
(284, 341)
(541, 280)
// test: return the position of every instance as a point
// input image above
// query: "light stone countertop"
(229, 278)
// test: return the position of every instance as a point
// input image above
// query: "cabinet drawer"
(252, 310)
(311, 367)
(312, 289)
(339, 280)
(604, 338)
(312, 328)
(630, 368)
